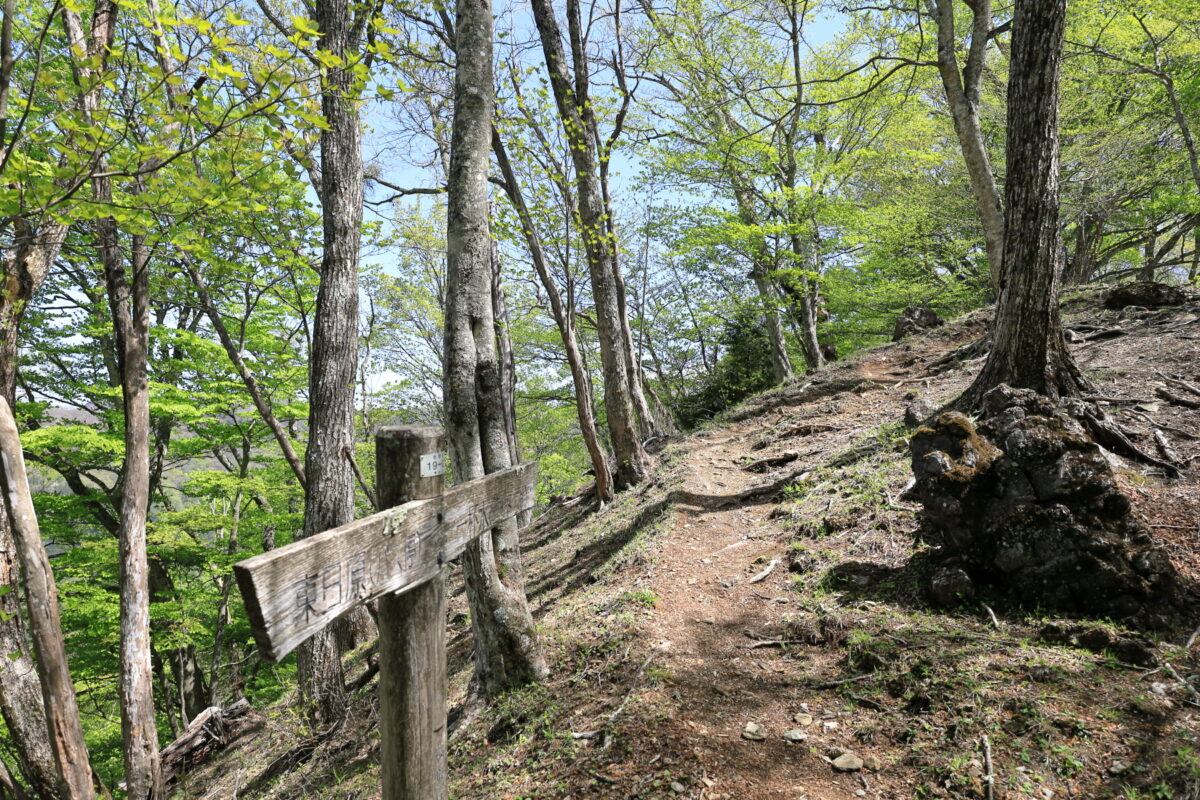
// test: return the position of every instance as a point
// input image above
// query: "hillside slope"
(753, 621)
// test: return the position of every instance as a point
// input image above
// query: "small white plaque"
(432, 465)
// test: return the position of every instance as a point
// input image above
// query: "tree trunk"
(962, 95)
(507, 651)
(1194, 272)
(806, 302)
(1149, 263)
(648, 422)
(1029, 349)
(129, 303)
(781, 364)
(20, 687)
(760, 272)
(507, 361)
(73, 778)
(329, 501)
(22, 272)
(566, 326)
(632, 465)
(1088, 235)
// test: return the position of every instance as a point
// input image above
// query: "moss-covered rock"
(1028, 503)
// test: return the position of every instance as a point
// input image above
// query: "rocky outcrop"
(915, 319)
(1145, 294)
(1028, 504)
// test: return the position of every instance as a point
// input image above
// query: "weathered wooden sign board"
(397, 556)
(294, 591)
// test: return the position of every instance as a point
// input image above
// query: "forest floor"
(757, 610)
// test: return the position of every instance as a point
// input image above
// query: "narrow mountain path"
(756, 616)
(724, 589)
(781, 614)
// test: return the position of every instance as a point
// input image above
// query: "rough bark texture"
(329, 501)
(61, 713)
(615, 359)
(1029, 349)
(507, 652)
(565, 322)
(1029, 504)
(962, 95)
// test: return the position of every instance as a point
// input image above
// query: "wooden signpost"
(396, 556)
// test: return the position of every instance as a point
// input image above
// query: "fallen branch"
(989, 777)
(1121, 401)
(1099, 336)
(210, 732)
(774, 643)
(617, 711)
(991, 614)
(1176, 399)
(765, 490)
(763, 575)
(1191, 689)
(764, 464)
(1180, 384)
(1164, 447)
(855, 454)
(1153, 424)
(834, 684)
(806, 429)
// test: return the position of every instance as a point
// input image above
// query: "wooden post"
(412, 631)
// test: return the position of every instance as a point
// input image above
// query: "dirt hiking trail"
(752, 623)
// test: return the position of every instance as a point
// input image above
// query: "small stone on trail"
(1118, 768)
(754, 732)
(918, 412)
(795, 735)
(847, 762)
(677, 787)
(872, 763)
(836, 752)
(803, 720)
